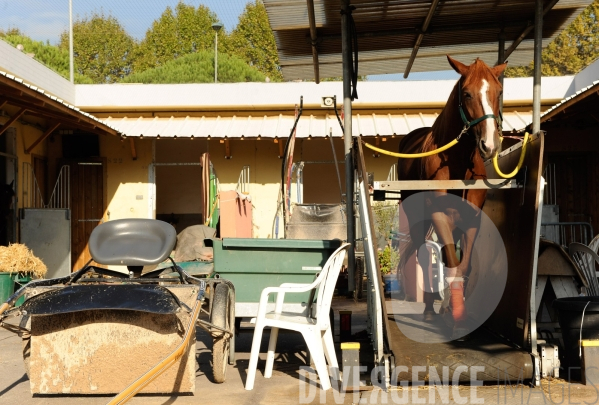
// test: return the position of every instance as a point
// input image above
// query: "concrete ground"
(285, 386)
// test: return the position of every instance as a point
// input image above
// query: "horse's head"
(6, 195)
(479, 95)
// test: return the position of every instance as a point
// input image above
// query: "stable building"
(134, 150)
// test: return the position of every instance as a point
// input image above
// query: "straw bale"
(17, 258)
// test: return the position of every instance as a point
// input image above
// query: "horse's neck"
(448, 124)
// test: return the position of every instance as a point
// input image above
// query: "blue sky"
(45, 20)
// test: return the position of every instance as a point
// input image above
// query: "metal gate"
(46, 226)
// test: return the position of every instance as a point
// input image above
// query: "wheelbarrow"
(119, 330)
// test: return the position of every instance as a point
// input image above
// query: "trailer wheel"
(220, 342)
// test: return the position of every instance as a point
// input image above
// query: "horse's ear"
(498, 70)
(458, 66)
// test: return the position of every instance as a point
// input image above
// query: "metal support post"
(536, 128)
(538, 48)
(500, 60)
(347, 137)
(71, 61)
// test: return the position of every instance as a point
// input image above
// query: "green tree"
(103, 50)
(572, 50)
(198, 68)
(176, 33)
(253, 41)
(49, 55)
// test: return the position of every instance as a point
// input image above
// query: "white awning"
(271, 126)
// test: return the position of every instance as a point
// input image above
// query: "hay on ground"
(17, 258)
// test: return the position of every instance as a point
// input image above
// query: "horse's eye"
(467, 96)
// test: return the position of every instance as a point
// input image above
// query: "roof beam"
(313, 40)
(41, 138)
(427, 21)
(526, 31)
(55, 104)
(133, 151)
(12, 119)
(55, 116)
(436, 29)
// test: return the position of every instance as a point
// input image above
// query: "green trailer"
(254, 264)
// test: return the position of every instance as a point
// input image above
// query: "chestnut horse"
(472, 113)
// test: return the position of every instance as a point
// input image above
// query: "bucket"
(570, 311)
(19, 280)
(391, 283)
(6, 286)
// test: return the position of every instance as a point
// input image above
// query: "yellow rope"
(449, 145)
(520, 161)
(412, 155)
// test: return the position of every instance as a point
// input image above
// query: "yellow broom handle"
(3, 308)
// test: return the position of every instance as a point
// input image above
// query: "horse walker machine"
(505, 347)
(101, 331)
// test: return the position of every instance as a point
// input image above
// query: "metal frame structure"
(377, 312)
(347, 107)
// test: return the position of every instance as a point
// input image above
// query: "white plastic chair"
(585, 258)
(316, 329)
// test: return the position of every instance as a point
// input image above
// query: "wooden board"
(563, 287)
(514, 213)
(101, 352)
(554, 261)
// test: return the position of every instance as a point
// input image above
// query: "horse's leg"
(444, 226)
(419, 226)
(458, 235)
(418, 235)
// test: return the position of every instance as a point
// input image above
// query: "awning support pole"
(313, 40)
(536, 128)
(538, 49)
(500, 60)
(347, 137)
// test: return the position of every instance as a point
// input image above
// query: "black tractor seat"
(132, 242)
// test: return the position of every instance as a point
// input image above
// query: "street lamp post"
(216, 27)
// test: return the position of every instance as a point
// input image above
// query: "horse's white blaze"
(490, 126)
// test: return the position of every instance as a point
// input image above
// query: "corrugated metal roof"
(388, 30)
(76, 111)
(271, 126)
(573, 99)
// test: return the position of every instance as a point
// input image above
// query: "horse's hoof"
(429, 315)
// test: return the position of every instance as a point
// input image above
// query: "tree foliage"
(572, 50)
(176, 33)
(253, 41)
(51, 56)
(198, 68)
(102, 48)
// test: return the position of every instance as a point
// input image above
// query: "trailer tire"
(220, 341)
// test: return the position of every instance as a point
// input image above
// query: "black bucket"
(570, 315)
